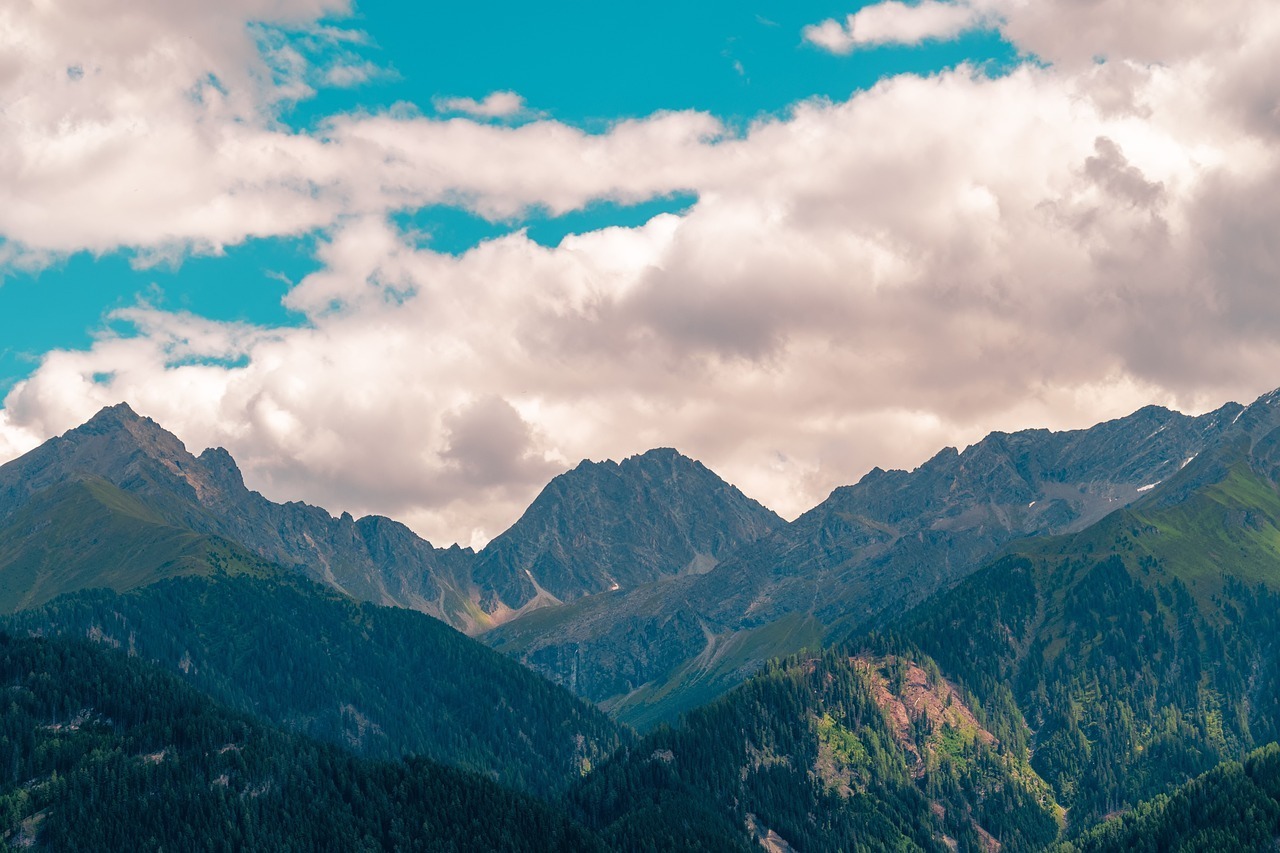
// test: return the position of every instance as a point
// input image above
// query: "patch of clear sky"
(583, 63)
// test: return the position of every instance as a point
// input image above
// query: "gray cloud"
(491, 445)
(1110, 169)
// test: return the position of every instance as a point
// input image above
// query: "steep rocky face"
(373, 559)
(898, 536)
(607, 526)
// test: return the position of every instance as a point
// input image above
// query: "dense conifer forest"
(836, 751)
(1233, 808)
(382, 681)
(102, 752)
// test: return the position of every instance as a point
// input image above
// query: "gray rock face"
(606, 526)
(897, 536)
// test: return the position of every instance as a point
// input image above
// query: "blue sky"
(586, 64)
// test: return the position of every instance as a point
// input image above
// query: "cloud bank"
(858, 283)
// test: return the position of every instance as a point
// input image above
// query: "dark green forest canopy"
(382, 681)
(807, 751)
(102, 752)
(1234, 807)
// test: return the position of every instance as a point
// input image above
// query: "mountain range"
(868, 551)
(1005, 647)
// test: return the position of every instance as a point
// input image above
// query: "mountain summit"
(606, 526)
(116, 444)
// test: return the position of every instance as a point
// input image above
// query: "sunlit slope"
(863, 748)
(87, 533)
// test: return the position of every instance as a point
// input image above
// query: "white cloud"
(123, 129)
(857, 283)
(892, 22)
(347, 75)
(493, 105)
(170, 146)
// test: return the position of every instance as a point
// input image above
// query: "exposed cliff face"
(606, 526)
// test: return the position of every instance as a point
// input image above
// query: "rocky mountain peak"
(607, 525)
(117, 444)
(661, 461)
(222, 468)
(660, 458)
(121, 422)
(119, 416)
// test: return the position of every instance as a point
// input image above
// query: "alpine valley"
(1048, 641)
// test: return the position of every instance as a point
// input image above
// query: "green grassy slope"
(88, 533)
(1226, 527)
(725, 663)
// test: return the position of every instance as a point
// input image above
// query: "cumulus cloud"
(493, 105)
(127, 127)
(1065, 32)
(892, 22)
(857, 283)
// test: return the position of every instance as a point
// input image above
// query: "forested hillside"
(1234, 808)
(865, 751)
(384, 682)
(1141, 651)
(102, 752)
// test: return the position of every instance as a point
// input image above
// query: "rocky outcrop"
(608, 526)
